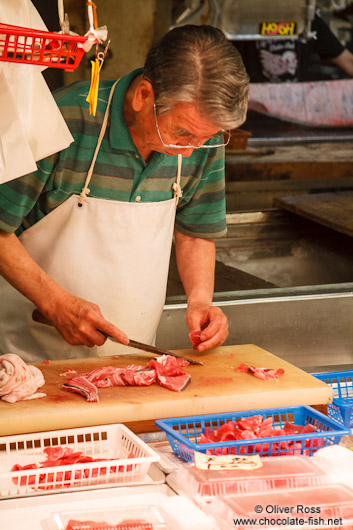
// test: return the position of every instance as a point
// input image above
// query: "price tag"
(223, 462)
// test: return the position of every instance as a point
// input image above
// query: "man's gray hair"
(198, 64)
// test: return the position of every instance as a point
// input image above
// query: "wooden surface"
(334, 210)
(309, 161)
(215, 387)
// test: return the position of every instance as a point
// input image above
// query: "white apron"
(115, 254)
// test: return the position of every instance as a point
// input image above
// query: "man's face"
(182, 126)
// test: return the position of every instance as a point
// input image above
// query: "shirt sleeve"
(326, 45)
(19, 196)
(21, 204)
(202, 209)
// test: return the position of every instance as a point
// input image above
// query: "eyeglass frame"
(188, 146)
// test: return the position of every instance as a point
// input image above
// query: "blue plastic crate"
(184, 433)
(341, 408)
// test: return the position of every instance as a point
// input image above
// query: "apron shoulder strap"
(85, 190)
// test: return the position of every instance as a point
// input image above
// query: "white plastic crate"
(111, 443)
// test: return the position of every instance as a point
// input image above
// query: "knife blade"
(38, 317)
(151, 349)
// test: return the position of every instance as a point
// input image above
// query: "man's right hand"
(80, 321)
(77, 320)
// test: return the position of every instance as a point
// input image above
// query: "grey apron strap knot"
(178, 193)
(84, 192)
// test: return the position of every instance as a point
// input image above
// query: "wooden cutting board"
(215, 387)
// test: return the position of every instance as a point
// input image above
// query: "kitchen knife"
(38, 317)
(152, 349)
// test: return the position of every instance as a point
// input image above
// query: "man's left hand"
(208, 326)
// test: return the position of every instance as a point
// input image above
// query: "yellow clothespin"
(97, 64)
(92, 97)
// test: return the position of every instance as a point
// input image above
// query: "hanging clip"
(92, 97)
(97, 64)
(101, 55)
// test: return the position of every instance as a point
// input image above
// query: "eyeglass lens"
(222, 142)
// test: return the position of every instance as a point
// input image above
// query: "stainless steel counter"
(306, 330)
(305, 315)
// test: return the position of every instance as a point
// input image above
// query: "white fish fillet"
(18, 380)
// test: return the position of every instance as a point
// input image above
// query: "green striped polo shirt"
(120, 173)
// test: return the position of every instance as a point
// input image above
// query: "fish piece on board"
(166, 370)
(266, 374)
(18, 380)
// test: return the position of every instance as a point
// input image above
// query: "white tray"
(324, 506)
(137, 517)
(281, 472)
(112, 442)
(37, 513)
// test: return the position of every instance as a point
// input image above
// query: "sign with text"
(282, 29)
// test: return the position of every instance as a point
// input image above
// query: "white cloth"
(115, 254)
(31, 125)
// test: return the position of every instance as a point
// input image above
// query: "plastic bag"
(32, 126)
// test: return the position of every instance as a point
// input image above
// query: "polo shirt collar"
(119, 134)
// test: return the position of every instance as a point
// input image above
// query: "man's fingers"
(217, 320)
(80, 323)
(213, 334)
(113, 331)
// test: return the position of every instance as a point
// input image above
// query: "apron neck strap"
(85, 190)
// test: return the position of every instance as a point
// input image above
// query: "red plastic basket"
(31, 46)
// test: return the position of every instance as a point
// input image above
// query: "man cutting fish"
(86, 239)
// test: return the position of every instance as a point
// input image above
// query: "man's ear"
(143, 96)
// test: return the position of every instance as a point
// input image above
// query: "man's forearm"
(196, 266)
(208, 325)
(76, 319)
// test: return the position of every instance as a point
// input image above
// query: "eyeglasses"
(188, 145)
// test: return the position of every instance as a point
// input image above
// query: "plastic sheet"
(32, 126)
